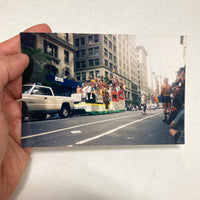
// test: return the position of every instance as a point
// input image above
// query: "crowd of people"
(100, 86)
(173, 98)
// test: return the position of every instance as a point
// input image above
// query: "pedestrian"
(165, 93)
(143, 103)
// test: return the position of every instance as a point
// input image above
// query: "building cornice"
(54, 38)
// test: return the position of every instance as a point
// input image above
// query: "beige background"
(138, 172)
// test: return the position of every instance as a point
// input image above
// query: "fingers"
(12, 46)
(12, 67)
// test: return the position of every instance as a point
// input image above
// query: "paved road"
(126, 128)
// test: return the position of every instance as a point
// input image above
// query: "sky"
(165, 54)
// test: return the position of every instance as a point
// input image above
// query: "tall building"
(142, 70)
(107, 54)
(127, 61)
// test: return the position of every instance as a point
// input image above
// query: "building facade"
(142, 70)
(59, 47)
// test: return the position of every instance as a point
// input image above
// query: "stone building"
(58, 46)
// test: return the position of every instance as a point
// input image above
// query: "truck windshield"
(26, 89)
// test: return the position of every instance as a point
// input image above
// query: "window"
(110, 56)
(90, 39)
(66, 56)
(96, 38)
(97, 62)
(41, 91)
(96, 50)
(50, 49)
(111, 66)
(105, 52)
(83, 76)
(83, 64)
(106, 74)
(105, 40)
(82, 41)
(77, 65)
(114, 39)
(96, 72)
(91, 74)
(115, 59)
(78, 76)
(110, 44)
(77, 54)
(114, 48)
(90, 51)
(77, 42)
(82, 52)
(106, 63)
(67, 37)
(91, 63)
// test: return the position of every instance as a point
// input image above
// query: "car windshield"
(26, 89)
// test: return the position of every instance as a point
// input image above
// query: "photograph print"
(103, 89)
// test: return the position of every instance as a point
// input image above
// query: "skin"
(166, 91)
(13, 158)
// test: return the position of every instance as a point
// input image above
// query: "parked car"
(152, 106)
(38, 101)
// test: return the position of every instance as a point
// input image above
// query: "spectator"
(177, 126)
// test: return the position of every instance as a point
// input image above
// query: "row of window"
(91, 52)
(110, 65)
(82, 41)
(110, 55)
(91, 63)
(110, 44)
(82, 75)
(52, 50)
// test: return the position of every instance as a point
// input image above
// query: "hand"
(13, 158)
(172, 125)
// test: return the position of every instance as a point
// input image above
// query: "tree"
(35, 71)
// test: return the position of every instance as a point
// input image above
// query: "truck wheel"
(64, 112)
(42, 116)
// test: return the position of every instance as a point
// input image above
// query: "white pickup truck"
(38, 101)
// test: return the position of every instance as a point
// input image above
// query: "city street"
(125, 128)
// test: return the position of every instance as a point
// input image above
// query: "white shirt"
(89, 89)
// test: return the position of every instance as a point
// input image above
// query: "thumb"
(12, 67)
